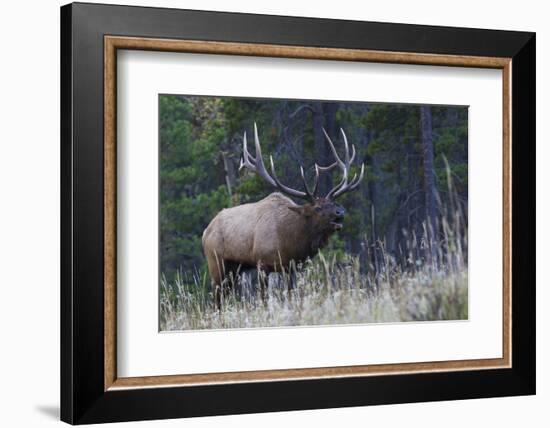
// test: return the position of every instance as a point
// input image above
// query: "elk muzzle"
(338, 217)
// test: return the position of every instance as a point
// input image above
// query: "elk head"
(322, 212)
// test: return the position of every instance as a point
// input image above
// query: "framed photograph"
(265, 213)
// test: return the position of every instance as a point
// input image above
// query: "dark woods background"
(416, 160)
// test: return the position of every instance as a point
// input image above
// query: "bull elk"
(273, 232)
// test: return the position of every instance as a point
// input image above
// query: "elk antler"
(256, 164)
(344, 186)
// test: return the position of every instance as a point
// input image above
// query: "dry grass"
(327, 292)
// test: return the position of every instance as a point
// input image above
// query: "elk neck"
(306, 237)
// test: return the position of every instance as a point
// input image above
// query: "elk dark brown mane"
(271, 233)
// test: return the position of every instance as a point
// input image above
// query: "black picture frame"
(83, 398)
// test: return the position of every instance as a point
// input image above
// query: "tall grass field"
(330, 290)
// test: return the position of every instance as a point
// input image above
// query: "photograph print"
(286, 212)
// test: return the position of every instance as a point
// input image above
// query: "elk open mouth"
(336, 225)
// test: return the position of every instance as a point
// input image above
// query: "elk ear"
(301, 209)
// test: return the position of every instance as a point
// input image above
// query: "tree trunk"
(330, 110)
(429, 180)
(230, 174)
(324, 116)
(372, 187)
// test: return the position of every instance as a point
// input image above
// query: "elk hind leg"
(216, 269)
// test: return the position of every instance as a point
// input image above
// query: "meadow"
(329, 290)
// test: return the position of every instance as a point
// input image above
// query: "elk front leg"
(262, 281)
(291, 283)
(291, 278)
